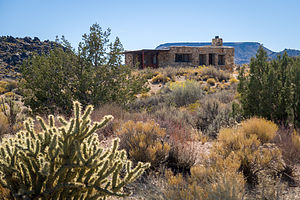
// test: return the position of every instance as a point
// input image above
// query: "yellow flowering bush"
(249, 145)
(211, 81)
(264, 130)
(233, 81)
(160, 78)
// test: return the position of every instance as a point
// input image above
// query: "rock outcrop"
(14, 50)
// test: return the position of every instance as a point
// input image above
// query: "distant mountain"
(244, 51)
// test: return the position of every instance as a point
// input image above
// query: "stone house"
(181, 56)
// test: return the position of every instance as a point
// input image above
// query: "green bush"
(64, 162)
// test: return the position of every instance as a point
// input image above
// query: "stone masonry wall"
(168, 58)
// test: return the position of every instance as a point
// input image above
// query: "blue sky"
(146, 24)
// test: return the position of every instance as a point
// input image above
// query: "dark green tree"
(47, 81)
(93, 74)
(109, 79)
(271, 90)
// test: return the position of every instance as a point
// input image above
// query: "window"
(211, 59)
(182, 58)
(154, 60)
(221, 60)
(202, 59)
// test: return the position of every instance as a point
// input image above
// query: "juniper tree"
(93, 74)
(271, 90)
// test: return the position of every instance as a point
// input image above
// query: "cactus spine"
(65, 162)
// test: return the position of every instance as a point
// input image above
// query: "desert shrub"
(225, 187)
(182, 155)
(269, 188)
(254, 158)
(212, 115)
(150, 187)
(211, 81)
(171, 72)
(3, 84)
(217, 181)
(4, 125)
(264, 130)
(233, 81)
(115, 110)
(2, 90)
(144, 141)
(212, 72)
(288, 141)
(171, 114)
(120, 114)
(13, 113)
(151, 103)
(144, 95)
(160, 78)
(11, 84)
(4, 193)
(9, 94)
(177, 188)
(193, 106)
(149, 73)
(64, 162)
(296, 140)
(185, 93)
(224, 96)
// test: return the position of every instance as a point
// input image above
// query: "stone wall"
(168, 58)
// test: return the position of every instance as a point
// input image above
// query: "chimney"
(217, 41)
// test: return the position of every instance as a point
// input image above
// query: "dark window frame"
(221, 59)
(183, 57)
(211, 59)
(202, 59)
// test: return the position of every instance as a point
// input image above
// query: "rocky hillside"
(14, 50)
(243, 50)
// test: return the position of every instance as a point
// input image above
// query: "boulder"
(36, 39)
(27, 39)
(11, 39)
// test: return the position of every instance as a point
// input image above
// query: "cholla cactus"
(65, 162)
